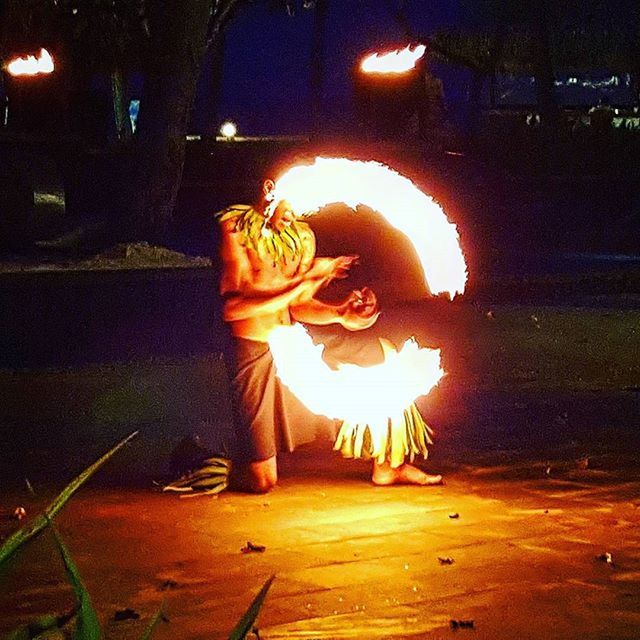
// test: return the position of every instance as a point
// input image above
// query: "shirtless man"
(270, 277)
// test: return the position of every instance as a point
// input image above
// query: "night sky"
(266, 68)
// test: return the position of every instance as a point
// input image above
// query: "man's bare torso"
(261, 275)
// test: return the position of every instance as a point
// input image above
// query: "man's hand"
(360, 310)
(329, 269)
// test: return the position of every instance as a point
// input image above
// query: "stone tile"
(351, 560)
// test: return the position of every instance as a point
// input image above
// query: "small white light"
(228, 130)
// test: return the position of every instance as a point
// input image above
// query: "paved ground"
(355, 561)
(538, 429)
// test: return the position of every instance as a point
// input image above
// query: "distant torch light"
(398, 61)
(228, 130)
(30, 65)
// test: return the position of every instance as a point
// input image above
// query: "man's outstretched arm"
(239, 304)
(358, 311)
(316, 312)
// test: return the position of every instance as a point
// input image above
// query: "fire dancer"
(270, 278)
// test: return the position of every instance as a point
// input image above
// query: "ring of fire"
(375, 402)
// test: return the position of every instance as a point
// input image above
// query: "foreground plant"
(245, 625)
(26, 533)
(42, 627)
(87, 625)
(213, 479)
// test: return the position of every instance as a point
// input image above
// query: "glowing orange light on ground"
(369, 399)
(30, 65)
(398, 61)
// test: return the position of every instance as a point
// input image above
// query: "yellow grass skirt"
(406, 437)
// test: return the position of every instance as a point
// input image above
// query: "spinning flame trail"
(307, 188)
(375, 403)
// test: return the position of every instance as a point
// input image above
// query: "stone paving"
(516, 551)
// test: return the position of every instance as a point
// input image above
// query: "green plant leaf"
(212, 477)
(154, 623)
(193, 478)
(231, 212)
(219, 461)
(21, 633)
(26, 533)
(248, 619)
(210, 483)
(87, 625)
(34, 629)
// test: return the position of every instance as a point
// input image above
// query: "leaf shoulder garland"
(265, 241)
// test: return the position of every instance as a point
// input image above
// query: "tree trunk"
(179, 32)
(317, 62)
(120, 105)
(543, 68)
(474, 105)
(495, 57)
(635, 58)
(214, 89)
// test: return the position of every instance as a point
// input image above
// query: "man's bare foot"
(384, 474)
(255, 477)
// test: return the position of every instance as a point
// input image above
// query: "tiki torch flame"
(30, 65)
(398, 61)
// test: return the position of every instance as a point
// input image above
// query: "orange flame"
(30, 65)
(307, 188)
(398, 61)
(375, 396)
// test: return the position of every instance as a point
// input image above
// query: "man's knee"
(263, 485)
(263, 475)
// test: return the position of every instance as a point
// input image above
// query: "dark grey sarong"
(268, 417)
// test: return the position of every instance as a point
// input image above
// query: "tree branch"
(220, 15)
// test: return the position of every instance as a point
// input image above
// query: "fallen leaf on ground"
(126, 614)
(454, 516)
(19, 513)
(168, 584)
(606, 557)
(253, 548)
(583, 463)
(462, 624)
